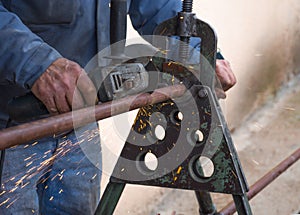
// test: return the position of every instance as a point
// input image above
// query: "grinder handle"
(26, 107)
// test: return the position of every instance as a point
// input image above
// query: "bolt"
(202, 93)
(187, 6)
(129, 84)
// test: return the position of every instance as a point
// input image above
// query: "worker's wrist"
(42, 58)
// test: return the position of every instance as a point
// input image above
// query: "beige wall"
(261, 39)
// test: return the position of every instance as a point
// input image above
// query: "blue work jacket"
(35, 33)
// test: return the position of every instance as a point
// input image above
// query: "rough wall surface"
(261, 40)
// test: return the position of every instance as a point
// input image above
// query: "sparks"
(179, 170)
(12, 203)
(289, 108)
(28, 164)
(4, 202)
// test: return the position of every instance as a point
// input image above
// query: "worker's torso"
(69, 26)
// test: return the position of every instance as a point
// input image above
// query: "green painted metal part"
(179, 151)
(242, 204)
(206, 205)
(112, 195)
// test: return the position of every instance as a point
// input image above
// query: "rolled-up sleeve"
(24, 55)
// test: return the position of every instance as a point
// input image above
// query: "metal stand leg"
(242, 204)
(110, 198)
(206, 205)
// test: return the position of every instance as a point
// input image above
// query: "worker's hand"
(64, 86)
(225, 76)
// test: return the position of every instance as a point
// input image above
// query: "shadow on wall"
(261, 40)
(265, 74)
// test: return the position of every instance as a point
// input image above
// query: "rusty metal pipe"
(265, 180)
(57, 124)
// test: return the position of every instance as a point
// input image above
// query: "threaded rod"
(187, 6)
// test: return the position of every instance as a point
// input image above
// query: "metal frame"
(203, 93)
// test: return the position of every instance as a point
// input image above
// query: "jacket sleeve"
(147, 14)
(24, 55)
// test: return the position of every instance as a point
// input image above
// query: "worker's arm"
(27, 61)
(24, 56)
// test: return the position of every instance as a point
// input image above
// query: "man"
(43, 47)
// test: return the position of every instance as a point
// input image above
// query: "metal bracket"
(194, 129)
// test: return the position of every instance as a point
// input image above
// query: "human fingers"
(50, 105)
(44, 93)
(87, 89)
(220, 93)
(75, 99)
(62, 103)
(55, 83)
(225, 74)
